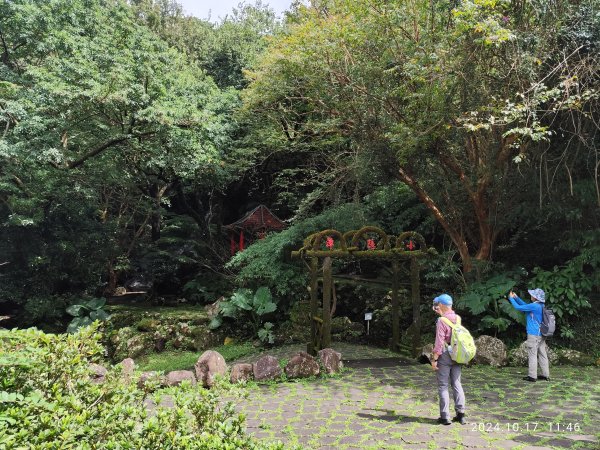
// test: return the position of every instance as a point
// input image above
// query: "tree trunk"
(457, 237)
(156, 219)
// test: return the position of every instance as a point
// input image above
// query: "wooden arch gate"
(367, 243)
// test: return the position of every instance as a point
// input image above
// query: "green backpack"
(462, 346)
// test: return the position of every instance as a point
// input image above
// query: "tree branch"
(455, 235)
(5, 53)
(100, 148)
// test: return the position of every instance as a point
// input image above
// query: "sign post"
(368, 318)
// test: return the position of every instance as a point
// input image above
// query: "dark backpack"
(548, 325)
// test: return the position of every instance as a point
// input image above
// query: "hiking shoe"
(443, 421)
(541, 377)
(460, 418)
(528, 378)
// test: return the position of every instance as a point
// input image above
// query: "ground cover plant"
(48, 400)
(177, 360)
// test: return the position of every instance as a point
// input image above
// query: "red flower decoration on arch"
(329, 242)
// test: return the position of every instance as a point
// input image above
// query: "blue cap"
(444, 299)
(538, 294)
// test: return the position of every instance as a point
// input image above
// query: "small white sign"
(368, 316)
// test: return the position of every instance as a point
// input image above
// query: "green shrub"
(567, 291)
(86, 313)
(245, 305)
(148, 324)
(487, 301)
(48, 401)
(267, 262)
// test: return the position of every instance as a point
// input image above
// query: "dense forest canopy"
(130, 133)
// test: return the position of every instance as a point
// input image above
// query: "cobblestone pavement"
(396, 408)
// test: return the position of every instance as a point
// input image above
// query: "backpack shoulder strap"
(449, 322)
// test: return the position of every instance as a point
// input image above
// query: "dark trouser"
(448, 373)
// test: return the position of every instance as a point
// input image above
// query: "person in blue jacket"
(537, 351)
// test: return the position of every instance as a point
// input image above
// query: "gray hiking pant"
(448, 374)
(537, 352)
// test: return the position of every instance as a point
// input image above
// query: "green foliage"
(180, 360)
(397, 209)
(103, 124)
(234, 351)
(244, 305)
(86, 313)
(487, 301)
(265, 334)
(51, 402)
(167, 361)
(267, 261)
(568, 288)
(429, 99)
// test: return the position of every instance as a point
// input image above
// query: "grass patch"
(232, 352)
(168, 361)
(183, 313)
(177, 360)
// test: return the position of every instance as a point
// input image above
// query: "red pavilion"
(254, 225)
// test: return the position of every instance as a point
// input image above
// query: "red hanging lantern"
(411, 245)
(371, 244)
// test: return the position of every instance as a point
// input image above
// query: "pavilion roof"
(260, 218)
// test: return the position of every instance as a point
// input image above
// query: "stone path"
(395, 407)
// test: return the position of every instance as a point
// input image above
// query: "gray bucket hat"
(538, 294)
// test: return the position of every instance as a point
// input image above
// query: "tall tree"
(457, 94)
(101, 120)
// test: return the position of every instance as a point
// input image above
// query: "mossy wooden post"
(327, 283)
(314, 307)
(361, 244)
(395, 308)
(415, 296)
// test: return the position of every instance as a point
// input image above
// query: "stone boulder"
(208, 366)
(151, 379)
(574, 358)
(212, 310)
(302, 365)
(241, 373)
(127, 368)
(267, 368)
(176, 377)
(331, 360)
(98, 374)
(130, 343)
(426, 355)
(490, 351)
(202, 337)
(518, 356)
(181, 337)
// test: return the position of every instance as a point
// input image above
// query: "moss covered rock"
(139, 331)
(518, 356)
